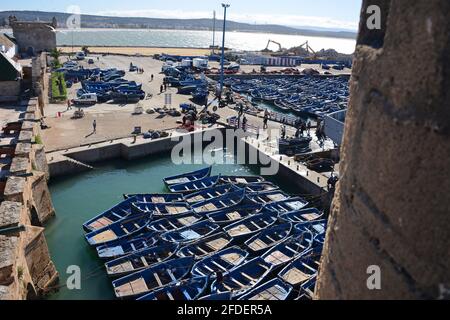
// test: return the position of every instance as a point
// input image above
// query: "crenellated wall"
(26, 269)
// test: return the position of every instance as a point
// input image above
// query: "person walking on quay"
(308, 128)
(161, 89)
(151, 77)
(94, 126)
(283, 131)
(265, 120)
(244, 123)
(69, 105)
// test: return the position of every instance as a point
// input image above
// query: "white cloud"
(287, 20)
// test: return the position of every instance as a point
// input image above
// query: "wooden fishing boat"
(210, 193)
(153, 278)
(249, 226)
(286, 206)
(222, 261)
(307, 289)
(188, 177)
(230, 215)
(186, 290)
(224, 296)
(174, 223)
(303, 268)
(161, 209)
(156, 197)
(191, 233)
(110, 216)
(268, 196)
(195, 186)
(275, 289)
(241, 279)
(140, 260)
(205, 247)
(316, 227)
(126, 246)
(229, 200)
(288, 250)
(260, 187)
(268, 238)
(300, 216)
(241, 180)
(118, 230)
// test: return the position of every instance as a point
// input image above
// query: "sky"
(334, 14)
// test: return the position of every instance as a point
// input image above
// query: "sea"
(196, 39)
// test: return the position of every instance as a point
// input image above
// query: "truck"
(200, 63)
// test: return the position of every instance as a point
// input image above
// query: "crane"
(280, 49)
(308, 48)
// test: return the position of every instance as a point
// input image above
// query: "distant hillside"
(90, 21)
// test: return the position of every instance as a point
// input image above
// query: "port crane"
(280, 49)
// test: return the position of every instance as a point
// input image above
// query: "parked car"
(91, 61)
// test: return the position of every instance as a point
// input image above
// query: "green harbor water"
(80, 197)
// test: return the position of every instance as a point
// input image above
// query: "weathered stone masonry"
(26, 270)
(392, 205)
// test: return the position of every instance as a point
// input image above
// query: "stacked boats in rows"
(103, 85)
(187, 83)
(212, 238)
(305, 96)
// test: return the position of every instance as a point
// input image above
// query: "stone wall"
(392, 207)
(34, 36)
(9, 90)
(26, 269)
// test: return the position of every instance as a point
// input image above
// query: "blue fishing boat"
(241, 279)
(241, 180)
(288, 250)
(119, 230)
(153, 278)
(317, 227)
(174, 223)
(139, 260)
(286, 206)
(186, 290)
(191, 233)
(205, 247)
(229, 200)
(224, 296)
(250, 226)
(126, 246)
(268, 196)
(230, 215)
(307, 289)
(268, 238)
(188, 177)
(275, 289)
(110, 216)
(260, 187)
(209, 193)
(220, 262)
(155, 197)
(161, 209)
(195, 186)
(303, 268)
(300, 216)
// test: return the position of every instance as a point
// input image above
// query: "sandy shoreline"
(145, 51)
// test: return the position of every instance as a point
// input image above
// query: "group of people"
(164, 86)
(302, 127)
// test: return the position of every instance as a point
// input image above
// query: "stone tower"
(391, 212)
(34, 37)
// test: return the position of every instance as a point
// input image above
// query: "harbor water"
(195, 39)
(80, 197)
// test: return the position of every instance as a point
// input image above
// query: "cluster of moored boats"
(212, 238)
(305, 96)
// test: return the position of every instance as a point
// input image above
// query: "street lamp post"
(225, 6)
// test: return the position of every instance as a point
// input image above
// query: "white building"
(7, 47)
